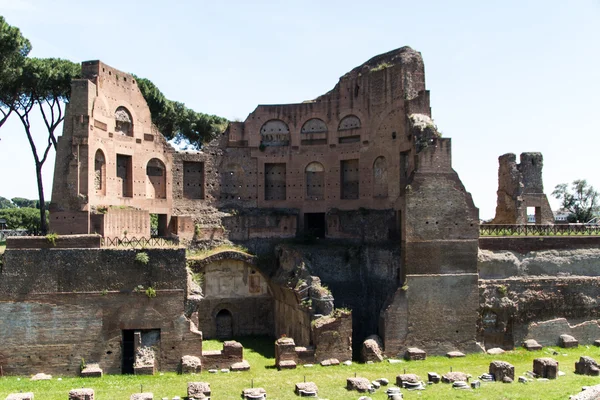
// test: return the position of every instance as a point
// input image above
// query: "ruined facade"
(520, 186)
(362, 167)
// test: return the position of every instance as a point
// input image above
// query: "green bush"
(142, 258)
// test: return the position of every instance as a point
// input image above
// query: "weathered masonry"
(361, 164)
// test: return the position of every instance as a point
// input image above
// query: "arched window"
(123, 121)
(314, 131)
(275, 133)
(349, 122)
(380, 179)
(100, 173)
(156, 184)
(315, 181)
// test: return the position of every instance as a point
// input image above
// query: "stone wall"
(507, 264)
(515, 309)
(526, 244)
(238, 292)
(521, 186)
(66, 305)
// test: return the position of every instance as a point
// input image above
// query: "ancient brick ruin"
(357, 225)
(520, 186)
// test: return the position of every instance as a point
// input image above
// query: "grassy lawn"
(330, 380)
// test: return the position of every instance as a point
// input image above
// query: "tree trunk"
(43, 222)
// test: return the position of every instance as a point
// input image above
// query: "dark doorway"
(314, 224)
(224, 323)
(128, 352)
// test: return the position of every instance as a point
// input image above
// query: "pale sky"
(509, 76)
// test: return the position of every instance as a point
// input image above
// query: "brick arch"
(275, 132)
(100, 172)
(156, 179)
(348, 122)
(380, 177)
(124, 121)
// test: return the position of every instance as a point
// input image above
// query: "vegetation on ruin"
(175, 121)
(581, 200)
(51, 238)
(142, 257)
(203, 253)
(331, 381)
(381, 66)
(150, 292)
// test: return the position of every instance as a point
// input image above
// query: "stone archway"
(224, 324)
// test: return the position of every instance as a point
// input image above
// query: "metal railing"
(539, 230)
(135, 242)
(12, 232)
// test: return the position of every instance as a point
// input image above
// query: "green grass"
(330, 380)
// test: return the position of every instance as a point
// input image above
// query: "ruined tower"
(521, 186)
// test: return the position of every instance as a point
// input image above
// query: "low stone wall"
(59, 242)
(502, 264)
(89, 270)
(525, 244)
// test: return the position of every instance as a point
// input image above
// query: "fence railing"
(135, 242)
(12, 232)
(539, 230)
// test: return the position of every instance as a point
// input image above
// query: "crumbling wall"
(503, 264)
(439, 255)
(515, 309)
(66, 305)
(236, 287)
(521, 186)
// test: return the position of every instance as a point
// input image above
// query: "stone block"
(305, 355)
(359, 384)
(455, 354)
(403, 379)
(20, 396)
(191, 364)
(142, 396)
(81, 394)
(91, 371)
(240, 366)
(532, 345)
(198, 390)
(433, 377)
(567, 341)
(545, 368)
(41, 377)
(306, 389)
(587, 366)
(597, 342)
(495, 351)
(500, 369)
(254, 394)
(451, 377)
(285, 350)
(287, 364)
(371, 349)
(233, 349)
(144, 370)
(413, 353)
(329, 362)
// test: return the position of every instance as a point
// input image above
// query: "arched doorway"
(224, 324)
